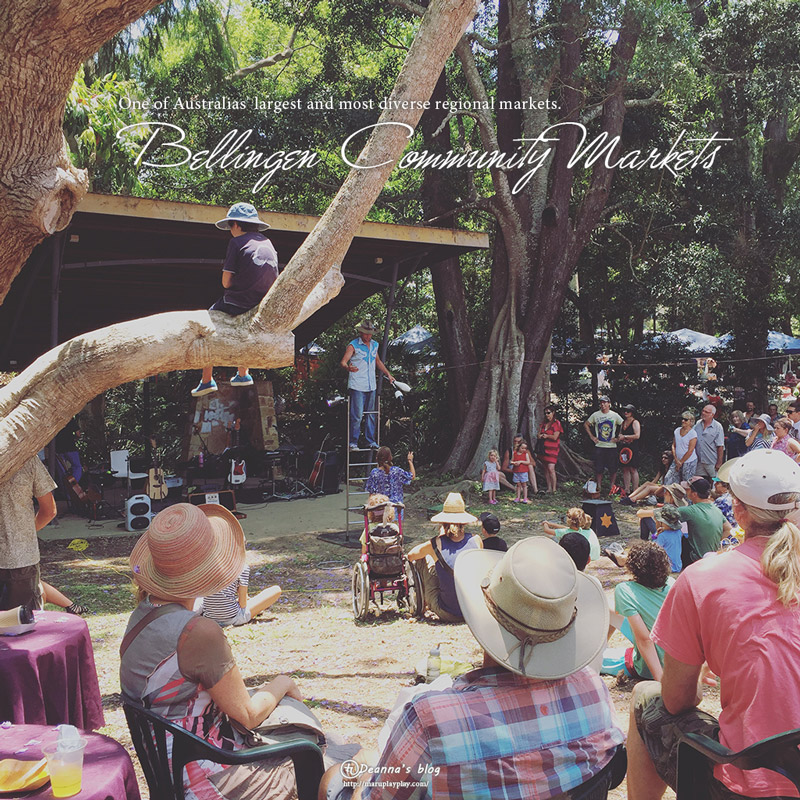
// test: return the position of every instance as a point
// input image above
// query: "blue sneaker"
(373, 445)
(241, 380)
(204, 388)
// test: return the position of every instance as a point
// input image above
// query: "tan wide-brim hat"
(510, 600)
(678, 494)
(366, 326)
(454, 510)
(189, 551)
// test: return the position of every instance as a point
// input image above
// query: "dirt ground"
(349, 672)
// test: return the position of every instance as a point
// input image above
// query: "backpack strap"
(439, 557)
(151, 616)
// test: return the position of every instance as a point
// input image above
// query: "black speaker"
(330, 473)
(224, 498)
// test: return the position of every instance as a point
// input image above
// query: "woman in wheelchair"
(434, 560)
(179, 664)
(381, 521)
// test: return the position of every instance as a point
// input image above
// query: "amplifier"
(223, 498)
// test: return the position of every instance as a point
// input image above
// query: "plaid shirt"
(497, 734)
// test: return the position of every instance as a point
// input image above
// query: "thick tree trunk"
(42, 399)
(43, 43)
(455, 333)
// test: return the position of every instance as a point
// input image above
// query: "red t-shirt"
(551, 447)
(725, 611)
(517, 456)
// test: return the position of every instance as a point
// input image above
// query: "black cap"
(490, 522)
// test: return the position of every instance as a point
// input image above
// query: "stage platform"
(264, 521)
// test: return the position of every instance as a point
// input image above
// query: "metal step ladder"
(358, 466)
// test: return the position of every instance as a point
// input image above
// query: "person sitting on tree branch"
(250, 269)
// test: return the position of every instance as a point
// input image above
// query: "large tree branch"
(41, 400)
(441, 27)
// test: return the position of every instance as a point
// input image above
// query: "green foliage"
(92, 117)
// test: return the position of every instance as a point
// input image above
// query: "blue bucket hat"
(241, 212)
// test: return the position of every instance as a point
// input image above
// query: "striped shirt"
(223, 607)
(498, 734)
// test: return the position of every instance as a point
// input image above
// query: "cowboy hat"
(189, 551)
(241, 212)
(366, 326)
(454, 511)
(530, 609)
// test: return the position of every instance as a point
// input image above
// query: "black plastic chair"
(148, 731)
(696, 753)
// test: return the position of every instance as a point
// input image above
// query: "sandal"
(77, 608)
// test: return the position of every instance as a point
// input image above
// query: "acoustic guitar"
(156, 482)
(317, 473)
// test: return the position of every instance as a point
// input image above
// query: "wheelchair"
(384, 569)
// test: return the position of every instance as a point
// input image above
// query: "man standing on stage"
(606, 424)
(360, 359)
(19, 547)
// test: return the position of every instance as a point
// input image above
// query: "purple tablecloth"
(48, 674)
(107, 769)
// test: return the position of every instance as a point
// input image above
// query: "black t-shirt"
(254, 263)
(495, 543)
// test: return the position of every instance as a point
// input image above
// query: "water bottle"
(434, 665)
(200, 459)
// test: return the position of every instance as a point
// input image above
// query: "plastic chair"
(148, 732)
(778, 753)
(121, 466)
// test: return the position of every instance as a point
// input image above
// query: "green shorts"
(661, 732)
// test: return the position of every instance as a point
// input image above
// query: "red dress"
(551, 448)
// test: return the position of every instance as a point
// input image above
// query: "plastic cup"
(65, 768)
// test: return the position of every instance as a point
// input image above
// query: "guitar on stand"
(237, 472)
(156, 482)
(317, 477)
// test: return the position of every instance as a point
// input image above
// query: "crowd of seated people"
(543, 624)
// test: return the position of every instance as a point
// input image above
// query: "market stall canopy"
(127, 257)
(415, 341)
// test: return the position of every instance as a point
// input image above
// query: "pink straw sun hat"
(189, 551)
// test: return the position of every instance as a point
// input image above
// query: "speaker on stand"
(138, 513)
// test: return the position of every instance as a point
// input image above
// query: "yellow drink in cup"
(65, 768)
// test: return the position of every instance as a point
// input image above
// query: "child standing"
(521, 462)
(490, 475)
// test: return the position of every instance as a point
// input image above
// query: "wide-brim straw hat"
(454, 510)
(376, 501)
(189, 551)
(531, 610)
(242, 212)
(366, 326)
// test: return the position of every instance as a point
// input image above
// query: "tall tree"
(39, 402)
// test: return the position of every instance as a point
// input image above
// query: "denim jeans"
(361, 403)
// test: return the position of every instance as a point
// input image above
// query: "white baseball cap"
(760, 475)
